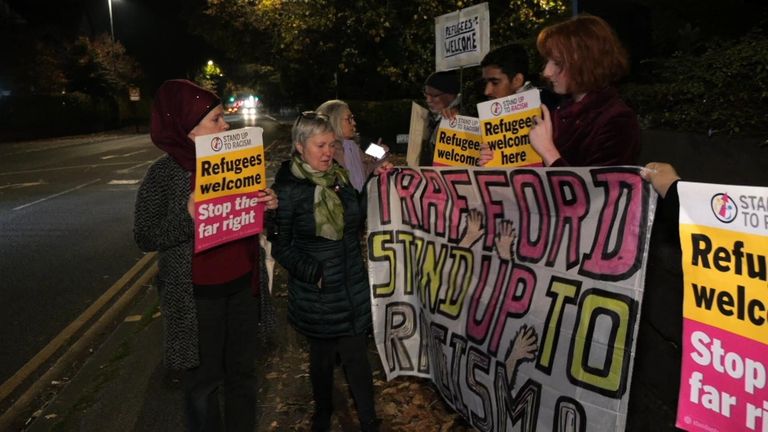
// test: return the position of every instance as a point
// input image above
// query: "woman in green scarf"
(316, 239)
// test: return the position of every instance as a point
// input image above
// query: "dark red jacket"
(599, 130)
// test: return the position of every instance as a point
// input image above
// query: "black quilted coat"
(340, 305)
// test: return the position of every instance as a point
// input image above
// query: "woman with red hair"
(593, 127)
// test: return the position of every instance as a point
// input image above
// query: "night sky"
(154, 32)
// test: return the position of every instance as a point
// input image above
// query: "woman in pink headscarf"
(207, 299)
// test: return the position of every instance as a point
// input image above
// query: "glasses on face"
(350, 118)
(310, 115)
(432, 95)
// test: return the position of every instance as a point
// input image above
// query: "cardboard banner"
(230, 171)
(462, 38)
(458, 142)
(505, 124)
(516, 291)
(724, 240)
(417, 134)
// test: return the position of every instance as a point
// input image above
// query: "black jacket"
(659, 338)
(341, 305)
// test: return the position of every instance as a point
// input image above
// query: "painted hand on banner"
(474, 230)
(523, 348)
(505, 240)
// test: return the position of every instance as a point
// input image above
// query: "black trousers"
(353, 352)
(227, 330)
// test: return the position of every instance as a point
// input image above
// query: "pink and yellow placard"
(457, 142)
(230, 173)
(505, 124)
(724, 240)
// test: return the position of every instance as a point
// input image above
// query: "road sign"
(134, 93)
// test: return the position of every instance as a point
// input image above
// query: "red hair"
(587, 49)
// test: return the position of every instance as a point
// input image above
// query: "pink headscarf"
(178, 107)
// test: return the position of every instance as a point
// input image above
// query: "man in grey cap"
(441, 90)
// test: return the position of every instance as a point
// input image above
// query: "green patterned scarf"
(329, 211)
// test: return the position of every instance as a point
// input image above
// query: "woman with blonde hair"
(348, 153)
(317, 240)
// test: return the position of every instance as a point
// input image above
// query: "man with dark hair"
(505, 71)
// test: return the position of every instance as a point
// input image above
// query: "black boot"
(321, 422)
(370, 425)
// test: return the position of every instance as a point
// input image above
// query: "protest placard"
(724, 240)
(505, 124)
(517, 291)
(230, 171)
(457, 142)
(462, 37)
(417, 134)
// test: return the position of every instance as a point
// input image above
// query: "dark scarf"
(178, 107)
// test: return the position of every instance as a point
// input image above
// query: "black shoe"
(321, 423)
(370, 425)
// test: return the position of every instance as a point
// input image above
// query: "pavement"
(123, 386)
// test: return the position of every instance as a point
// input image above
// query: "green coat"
(341, 304)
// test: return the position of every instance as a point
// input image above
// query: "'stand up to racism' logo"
(452, 122)
(216, 144)
(495, 108)
(724, 208)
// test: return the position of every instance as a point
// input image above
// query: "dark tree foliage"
(352, 49)
(99, 67)
(723, 90)
(697, 65)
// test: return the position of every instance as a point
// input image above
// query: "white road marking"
(124, 182)
(122, 155)
(62, 168)
(58, 194)
(21, 185)
(24, 147)
(127, 170)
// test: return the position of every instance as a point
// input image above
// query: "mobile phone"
(375, 150)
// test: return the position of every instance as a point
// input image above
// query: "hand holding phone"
(376, 151)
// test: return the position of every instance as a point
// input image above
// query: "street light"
(111, 25)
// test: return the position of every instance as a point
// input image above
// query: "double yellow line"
(140, 274)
